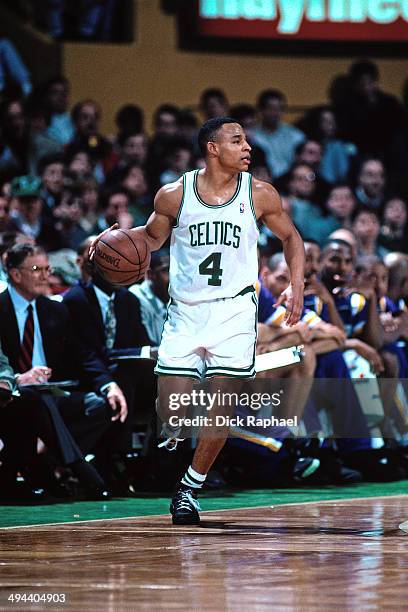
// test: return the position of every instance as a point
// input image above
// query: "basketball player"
(210, 332)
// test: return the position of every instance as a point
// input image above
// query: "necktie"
(110, 324)
(26, 352)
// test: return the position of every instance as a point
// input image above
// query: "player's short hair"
(209, 129)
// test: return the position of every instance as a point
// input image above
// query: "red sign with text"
(335, 20)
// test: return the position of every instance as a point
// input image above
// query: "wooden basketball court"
(348, 554)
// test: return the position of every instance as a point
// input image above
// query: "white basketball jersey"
(213, 251)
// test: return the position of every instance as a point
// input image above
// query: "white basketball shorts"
(214, 338)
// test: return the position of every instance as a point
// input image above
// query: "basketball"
(122, 257)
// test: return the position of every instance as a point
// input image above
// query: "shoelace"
(185, 500)
(170, 444)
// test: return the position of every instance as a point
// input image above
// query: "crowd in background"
(341, 174)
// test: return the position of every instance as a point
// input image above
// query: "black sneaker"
(184, 507)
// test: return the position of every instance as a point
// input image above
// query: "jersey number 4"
(211, 266)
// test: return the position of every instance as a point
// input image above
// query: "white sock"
(193, 479)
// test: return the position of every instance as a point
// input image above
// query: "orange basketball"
(122, 257)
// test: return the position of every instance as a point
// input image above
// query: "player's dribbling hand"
(94, 242)
(293, 299)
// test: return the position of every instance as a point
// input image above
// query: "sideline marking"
(125, 518)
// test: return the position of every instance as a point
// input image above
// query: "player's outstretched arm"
(268, 208)
(158, 227)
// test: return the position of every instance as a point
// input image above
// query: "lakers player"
(212, 215)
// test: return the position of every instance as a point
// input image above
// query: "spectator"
(153, 296)
(15, 135)
(340, 206)
(214, 103)
(27, 216)
(83, 261)
(166, 126)
(320, 124)
(4, 213)
(108, 321)
(129, 120)
(86, 116)
(132, 149)
(140, 202)
(79, 162)
(40, 143)
(261, 173)
(51, 171)
(178, 161)
(38, 340)
(67, 219)
(165, 120)
(89, 197)
(56, 101)
(305, 213)
(347, 236)
(188, 129)
(277, 139)
(366, 228)
(115, 210)
(7, 240)
(393, 233)
(372, 119)
(371, 181)
(398, 278)
(245, 115)
(12, 68)
(308, 152)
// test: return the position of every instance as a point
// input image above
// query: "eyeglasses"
(310, 177)
(38, 269)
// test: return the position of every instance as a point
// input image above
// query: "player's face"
(312, 260)
(232, 148)
(337, 266)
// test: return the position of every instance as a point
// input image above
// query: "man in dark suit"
(108, 321)
(38, 340)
